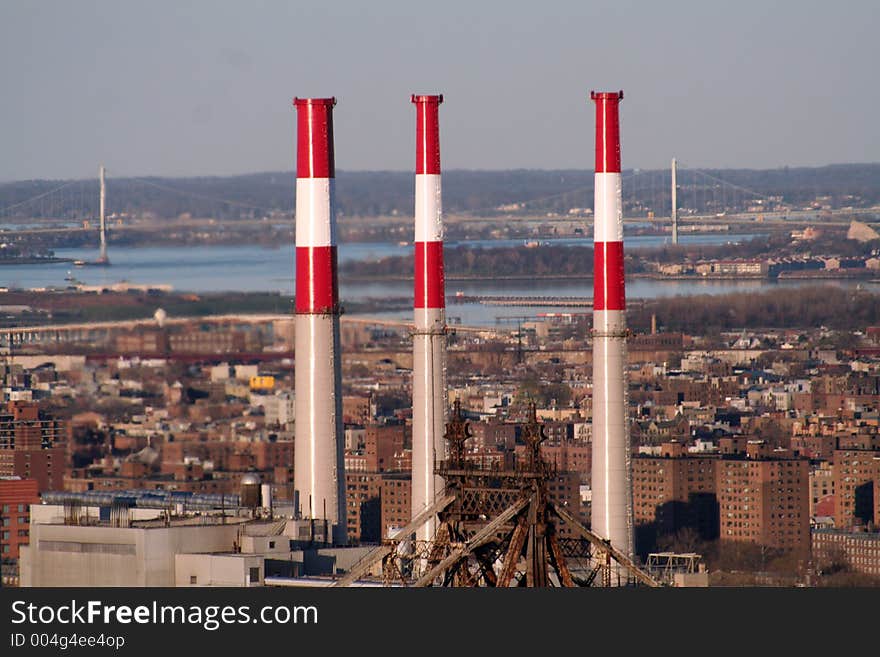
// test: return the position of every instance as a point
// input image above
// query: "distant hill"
(383, 193)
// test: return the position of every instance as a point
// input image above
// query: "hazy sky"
(204, 88)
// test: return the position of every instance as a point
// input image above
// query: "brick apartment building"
(567, 457)
(764, 499)
(193, 339)
(376, 503)
(355, 409)
(381, 443)
(756, 495)
(490, 434)
(363, 492)
(378, 483)
(16, 496)
(822, 494)
(396, 501)
(857, 481)
(675, 490)
(564, 491)
(858, 551)
(33, 445)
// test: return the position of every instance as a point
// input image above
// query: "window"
(271, 544)
(193, 579)
(254, 575)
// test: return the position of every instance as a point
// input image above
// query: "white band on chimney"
(608, 215)
(314, 199)
(429, 210)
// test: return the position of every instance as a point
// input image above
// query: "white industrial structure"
(674, 204)
(319, 461)
(429, 331)
(145, 538)
(612, 492)
(102, 258)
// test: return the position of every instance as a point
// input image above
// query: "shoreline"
(33, 261)
(642, 275)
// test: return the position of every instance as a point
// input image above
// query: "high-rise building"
(822, 497)
(32, 445)
(381, 443)
(758, 496)
(763, 499)
(856, 481)
(396, 495)
(363, 494)
(675, 490)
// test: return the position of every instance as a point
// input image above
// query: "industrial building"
(151, 539)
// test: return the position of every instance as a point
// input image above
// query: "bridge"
(96, 332)
(488, 300)
(702, 199)
(537, 302)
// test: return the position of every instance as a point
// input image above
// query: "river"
(257, 268)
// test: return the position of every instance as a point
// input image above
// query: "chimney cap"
(606, 95)
(325, 102)
(416, 98)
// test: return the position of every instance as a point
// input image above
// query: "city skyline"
(206, 89)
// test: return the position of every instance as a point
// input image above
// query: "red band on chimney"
(430, 285)
(427, 133)
(607, 131)
(316, 284)
(314, 141)
(608, 282)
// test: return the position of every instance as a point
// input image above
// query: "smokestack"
(429, 334)
(319, 465)
(612, 493)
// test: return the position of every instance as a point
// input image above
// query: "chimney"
(612, 494)
(319, 465)
(429, 308)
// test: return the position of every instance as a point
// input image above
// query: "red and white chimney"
(612, 491)
(319, 464)
(429, 334)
